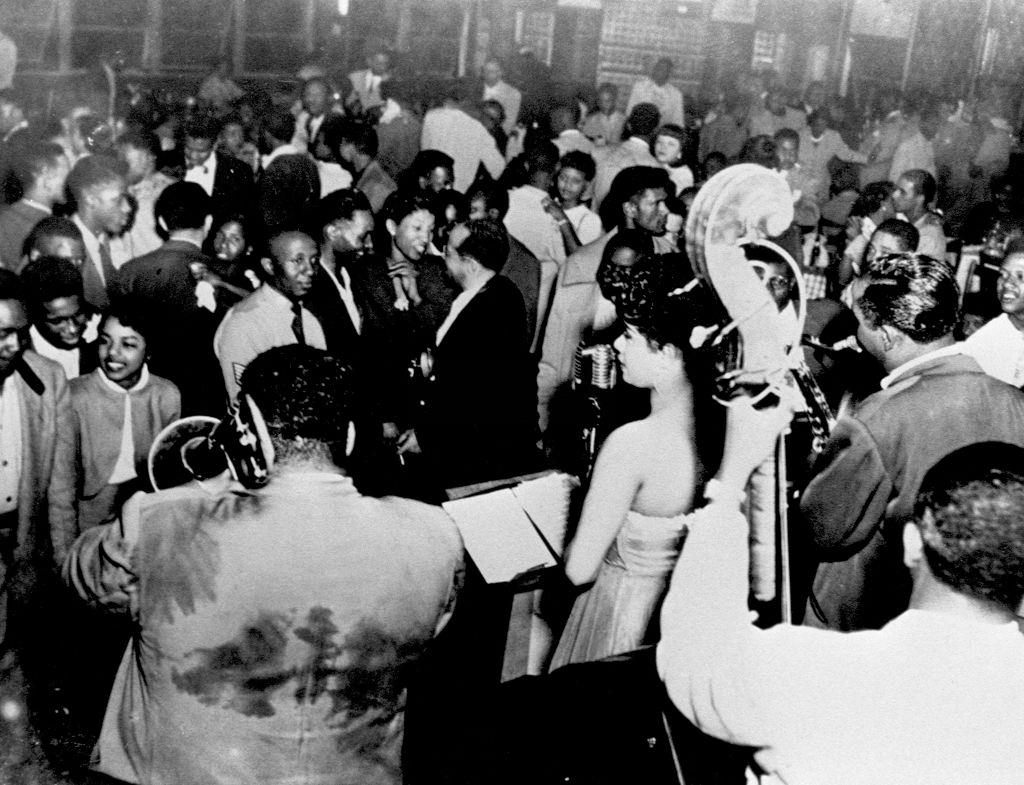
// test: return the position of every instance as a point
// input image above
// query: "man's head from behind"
(42, 168)
(53, 289)
(304, 395)
(183, 207)
(906, 305)
(662, 70)
(541, 164)
(969, 524)
(642, 122)
(487, 200)
(56, 236)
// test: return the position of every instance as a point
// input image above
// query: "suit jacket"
(16, 221)
(867, 479)
(46, 500)
(376, 184)
(181, 339)
(233, 187)
(523, 269)
(480, 421)
(287, 192)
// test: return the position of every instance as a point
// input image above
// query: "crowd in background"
(462, 246)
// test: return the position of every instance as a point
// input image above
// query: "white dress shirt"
(666, 97)
(344, 288)
(203, 174)
(998, 347)
(69, 359)
(458, 306)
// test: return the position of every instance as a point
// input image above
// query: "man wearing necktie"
(365, 83)
(100, 189)
(315, 97)
(276, 313)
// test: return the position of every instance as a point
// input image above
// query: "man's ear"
(267, 265)
(391, 226)
(913, 544)
(493, 214)
(207, 224)
(890, 337)
(629, 210)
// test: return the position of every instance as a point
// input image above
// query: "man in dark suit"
(226, 180)
(42, 169)
(480, 422)
(172, 285)
(344, 225)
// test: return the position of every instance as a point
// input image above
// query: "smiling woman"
(999, 345)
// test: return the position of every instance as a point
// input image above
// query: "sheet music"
(498, 535)
(546, 501)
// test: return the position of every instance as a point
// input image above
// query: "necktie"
(300, 333)
(106, 263)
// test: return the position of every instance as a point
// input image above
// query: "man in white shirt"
(915, 192)
(365, 84)
(309, 121)
(59, 318)
(635, 150)
(273, 315)
(451, 130)
(657, 90)
(99, 186)
(526, 219)
(937, 695)
(496, 89)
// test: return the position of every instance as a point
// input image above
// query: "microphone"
(847, 344)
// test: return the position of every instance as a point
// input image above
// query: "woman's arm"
(613, 487)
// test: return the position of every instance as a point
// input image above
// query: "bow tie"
(201, 169)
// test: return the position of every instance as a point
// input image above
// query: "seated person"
(876, 706)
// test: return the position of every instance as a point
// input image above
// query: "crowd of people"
(406, 283)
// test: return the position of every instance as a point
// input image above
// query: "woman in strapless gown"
(643, 486)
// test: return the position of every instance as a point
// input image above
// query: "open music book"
(513, 527)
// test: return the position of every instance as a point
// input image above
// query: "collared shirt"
(998, 346)
(10, 444)
(260, 322)
(458, 306)
(36, 205)
(203, 174)
(344, 288)
(69, 359)
(92, 245)
(124, 466)
(896, 373)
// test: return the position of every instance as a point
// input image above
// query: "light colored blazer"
(47, 489)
